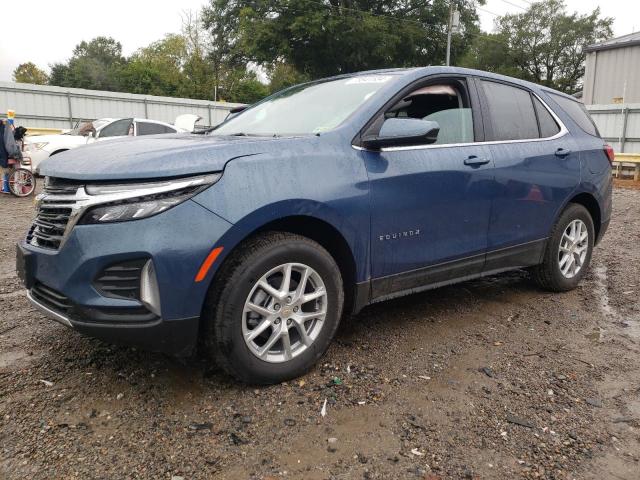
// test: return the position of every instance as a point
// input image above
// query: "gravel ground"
(488, 379)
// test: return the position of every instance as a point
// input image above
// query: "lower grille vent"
(121, 280)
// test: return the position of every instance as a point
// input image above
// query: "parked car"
(255, 239)
(41, 147)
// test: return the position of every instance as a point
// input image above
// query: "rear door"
(536, 170)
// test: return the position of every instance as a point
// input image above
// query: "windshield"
(305, 109)
(87, 127)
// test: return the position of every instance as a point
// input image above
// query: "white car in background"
(41, 147)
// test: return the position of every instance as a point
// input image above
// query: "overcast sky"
(45, 32)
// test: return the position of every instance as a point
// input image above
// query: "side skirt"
(405, 283)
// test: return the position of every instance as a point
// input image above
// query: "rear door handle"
(562, 152)
(474, 161)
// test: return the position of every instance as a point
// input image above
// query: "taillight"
(608, 150)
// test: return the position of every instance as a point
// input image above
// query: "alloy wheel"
(574, 245)
(284, 312)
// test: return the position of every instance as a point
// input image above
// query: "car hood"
(57, 139)
(155, 156)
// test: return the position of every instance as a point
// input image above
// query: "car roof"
(418, 72)
(135, 119)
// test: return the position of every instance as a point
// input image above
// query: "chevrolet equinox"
(254, 239)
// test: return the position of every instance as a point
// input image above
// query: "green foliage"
(293, 41)
(156, 69)
(249, 89)
(95, 64)
(30, 73)
(320, 38)
(544, 44)
(283, 75)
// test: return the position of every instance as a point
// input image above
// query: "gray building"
(612, 71)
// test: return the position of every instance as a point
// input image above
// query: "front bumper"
(173, 337)
(177, 241)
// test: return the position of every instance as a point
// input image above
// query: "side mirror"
(403, 132)
(235, 111)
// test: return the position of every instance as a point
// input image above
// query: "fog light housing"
(149, 291)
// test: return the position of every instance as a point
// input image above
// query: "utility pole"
(449, 33)
(454, 24)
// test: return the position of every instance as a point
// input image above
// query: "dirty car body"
(133, 237)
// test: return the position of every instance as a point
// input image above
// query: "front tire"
(273, 309)
(568, 251)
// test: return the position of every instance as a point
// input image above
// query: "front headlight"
(124, 202)
(38, 145)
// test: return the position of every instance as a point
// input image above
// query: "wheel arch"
(60, 150)
(318, 230)
(589, 202)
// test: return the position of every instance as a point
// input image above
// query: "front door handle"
(474, 161)
(562, 152)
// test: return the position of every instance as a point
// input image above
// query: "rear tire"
(255, 323)
(568, 252)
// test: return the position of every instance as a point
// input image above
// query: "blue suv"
(254, 239)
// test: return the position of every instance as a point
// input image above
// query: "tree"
(283, 75)
(327, 37)
(544, 44)
(248, 89)
(157, 68)
(95, 65)
(488, 52)
(221, 21)
(29, 73)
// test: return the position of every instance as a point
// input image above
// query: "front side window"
(446, 104)
(311, 108)
(510, 112)
(119, 128)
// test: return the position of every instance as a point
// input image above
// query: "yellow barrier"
(626, 161)
(43, 131)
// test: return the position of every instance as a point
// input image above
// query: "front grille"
(51, 298)
(121, 280)
(52, 216)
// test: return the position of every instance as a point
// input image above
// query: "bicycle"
(22, 181)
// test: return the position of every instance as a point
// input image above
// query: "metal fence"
(40, 106)
(619, 125)
(43, 106)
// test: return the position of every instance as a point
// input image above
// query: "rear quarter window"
(578, 113)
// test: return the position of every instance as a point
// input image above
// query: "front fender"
(320, 181)
(258, 219)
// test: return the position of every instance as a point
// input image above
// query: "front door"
(430, 204)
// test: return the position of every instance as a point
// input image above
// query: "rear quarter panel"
(595, 169)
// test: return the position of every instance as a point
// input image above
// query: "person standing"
(8, 149)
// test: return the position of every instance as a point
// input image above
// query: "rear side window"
(510, 111)
(577, 112)
(148, 128)
(548, 126)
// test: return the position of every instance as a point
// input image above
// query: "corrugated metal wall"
(607, 72)
(57, 107)
(619, 125)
